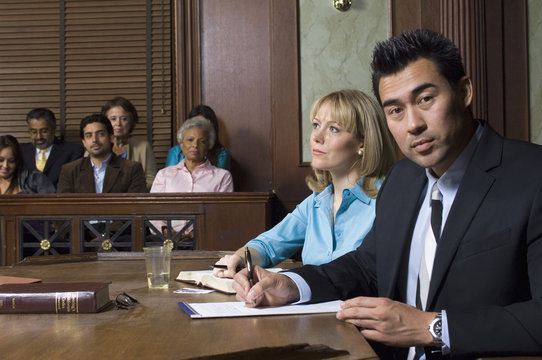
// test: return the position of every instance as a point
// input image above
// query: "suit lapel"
(474, 187)
(397, 249)
(29, 154)
(86, 177)
(52, 156)
(112, 172)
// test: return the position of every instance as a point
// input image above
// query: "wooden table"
(156, 328)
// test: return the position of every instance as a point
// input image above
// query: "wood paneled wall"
(247, 70)
(236, 82)
(242, 59)
(492, 38)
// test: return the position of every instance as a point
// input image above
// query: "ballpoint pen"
(225, 267)
(250, 268)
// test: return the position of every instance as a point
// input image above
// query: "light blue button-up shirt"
(310, 227)
(99, 175)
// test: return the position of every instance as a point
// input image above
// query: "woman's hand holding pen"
(233, 262)
(270, 289)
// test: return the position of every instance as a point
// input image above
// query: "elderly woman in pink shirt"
(194, 173)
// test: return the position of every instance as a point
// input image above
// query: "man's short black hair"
(92, 119)
(42, 113)
(393, 55)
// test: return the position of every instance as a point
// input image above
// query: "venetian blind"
(29, 62)
(98, 49)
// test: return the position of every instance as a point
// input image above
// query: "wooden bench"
(52, 224)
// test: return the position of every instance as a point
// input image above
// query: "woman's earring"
(360, 152)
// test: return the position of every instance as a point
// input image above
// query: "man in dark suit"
(466, 285)
(46, 152)
(102, 171)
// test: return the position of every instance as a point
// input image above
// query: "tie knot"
(435, 193)
(42, 152)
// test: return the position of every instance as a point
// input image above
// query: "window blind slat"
(105, 56)
(28, 61)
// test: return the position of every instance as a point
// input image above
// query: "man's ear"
(464, 88)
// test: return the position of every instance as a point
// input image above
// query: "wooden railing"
(33, 225)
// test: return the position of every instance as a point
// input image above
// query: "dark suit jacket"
(121, 176)
(35, 182)
(61, 153)
(488, 265)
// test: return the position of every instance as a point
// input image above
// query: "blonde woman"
(352, 150)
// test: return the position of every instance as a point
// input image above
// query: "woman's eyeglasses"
(125, 301)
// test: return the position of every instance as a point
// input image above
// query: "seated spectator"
(194, 173)
(123, 117)
(102, 171)
(352, 150)
(14, 178)
(46, 152)
(218, 155)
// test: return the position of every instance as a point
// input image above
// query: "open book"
(206, 278)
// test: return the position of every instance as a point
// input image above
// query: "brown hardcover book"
(59, 298)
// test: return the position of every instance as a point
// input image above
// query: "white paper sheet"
(235, 308)
(193, 291)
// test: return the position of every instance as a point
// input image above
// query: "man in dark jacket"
(102, 171)
(46, 152)
(452, 266)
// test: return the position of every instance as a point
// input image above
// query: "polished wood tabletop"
(156, 328)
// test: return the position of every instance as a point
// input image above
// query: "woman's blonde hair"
(362, 117)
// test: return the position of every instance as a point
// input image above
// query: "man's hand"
(271, 289)
(387, 321)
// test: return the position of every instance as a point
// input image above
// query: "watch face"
(438, 328)
(435, 329)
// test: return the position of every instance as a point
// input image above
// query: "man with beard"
(46, 152)
(102, 171)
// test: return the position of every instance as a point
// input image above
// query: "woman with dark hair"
(123, 116)
(14, 179)
(218, 155)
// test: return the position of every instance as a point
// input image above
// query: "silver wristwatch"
(435, 329)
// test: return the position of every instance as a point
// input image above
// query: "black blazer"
(34, 182)
(488, 265)
(61, 153)
(121, 176)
